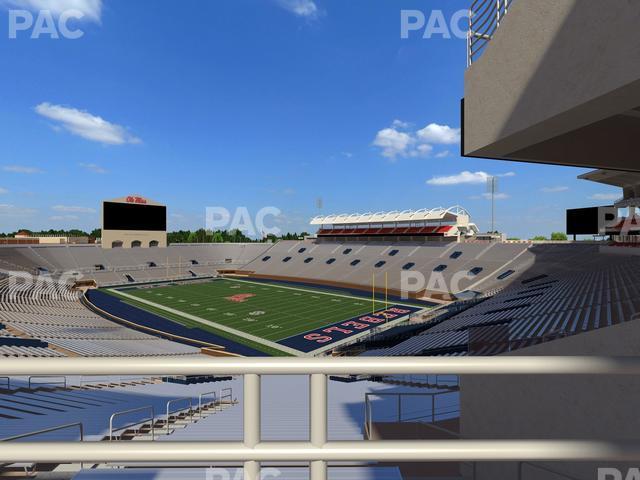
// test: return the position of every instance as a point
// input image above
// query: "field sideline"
(254, 311)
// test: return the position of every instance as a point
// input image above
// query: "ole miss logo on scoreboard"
(314, 339)
(138, 200)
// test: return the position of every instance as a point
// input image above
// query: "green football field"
(248, 311)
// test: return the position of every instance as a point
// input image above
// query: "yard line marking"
(313, 291)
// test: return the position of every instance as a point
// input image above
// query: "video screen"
(126, 216)
(588, 221)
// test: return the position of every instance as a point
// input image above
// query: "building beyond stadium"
(412, 225)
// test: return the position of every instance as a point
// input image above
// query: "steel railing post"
(318, 422)
(251, 422)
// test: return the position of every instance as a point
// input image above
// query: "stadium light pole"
(492, 188)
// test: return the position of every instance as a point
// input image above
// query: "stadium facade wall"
(128, 237)
(552, 407)
(539, 93)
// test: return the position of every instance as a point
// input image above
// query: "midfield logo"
(241, 297)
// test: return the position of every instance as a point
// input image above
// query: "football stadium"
(407, 343)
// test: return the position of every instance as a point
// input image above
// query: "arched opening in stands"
(116, 244)
(136, 244)
(153, 243)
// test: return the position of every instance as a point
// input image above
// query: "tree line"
(54, 233)
(181, 236)
(226, 236)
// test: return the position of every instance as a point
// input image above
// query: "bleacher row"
(577, 301)
(46, 290)
(526, 314)
(111, 266)
(57, 318)
(487, 264)
(308, 259)
(15, 351)
(354, 263)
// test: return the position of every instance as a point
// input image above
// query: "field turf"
(268, 311)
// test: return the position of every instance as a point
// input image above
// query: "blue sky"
(250, 103)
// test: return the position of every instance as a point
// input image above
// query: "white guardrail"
(318, 451)
(484, 19)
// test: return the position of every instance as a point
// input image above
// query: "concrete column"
(251, 422)
(318, 422)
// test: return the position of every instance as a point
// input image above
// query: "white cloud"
(399, 141)
(92, 9)
(554, 189)
(60, 218)
(347, 154)
(86, 125)
(393, 143)
(7, 210)
(3, 191)
(93, 168)
(21, 169)
(439, 134)
(465, 178)
(605, 196)
(301, 8)
(400, 125)
(422, 150)
(443, 154)
(72, 209)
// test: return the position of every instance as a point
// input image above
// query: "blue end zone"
(315, 339)
(137, 316)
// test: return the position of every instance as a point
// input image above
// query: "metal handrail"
(227, 395)
(142, 422)
(48, 430)
(319, 450)
(495, 365)
(201, 396)
(426, 380)
(485, 17)
(369, 410)
(8, 379)
(64, 382)
(176, 400)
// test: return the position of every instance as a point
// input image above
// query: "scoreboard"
(125, 216)
(591, 221)
(133, 222)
